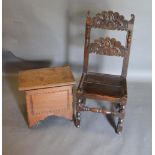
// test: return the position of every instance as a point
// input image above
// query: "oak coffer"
(49, 91)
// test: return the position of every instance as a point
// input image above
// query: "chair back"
(108, 46)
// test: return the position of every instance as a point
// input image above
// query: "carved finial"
(88, 18)
(132, 18)
(88, 13)
(131, 22)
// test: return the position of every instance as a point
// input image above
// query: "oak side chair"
(112, 88)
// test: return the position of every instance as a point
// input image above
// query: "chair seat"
(104, 86)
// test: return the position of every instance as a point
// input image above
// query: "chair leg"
(78, 114)
(119, 127)
(77, 121)
(80, 103)
(83, 101)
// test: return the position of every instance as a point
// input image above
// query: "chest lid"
(45, 77)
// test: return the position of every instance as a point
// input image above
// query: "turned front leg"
(120, 119)
(78, 114)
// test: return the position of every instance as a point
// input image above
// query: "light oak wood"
(49, 91)
(42, 103)
(45, 77)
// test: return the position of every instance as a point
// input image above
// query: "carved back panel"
(108, 46)
(109, 20)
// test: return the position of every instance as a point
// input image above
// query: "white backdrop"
(54, 30)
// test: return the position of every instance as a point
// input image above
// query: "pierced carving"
(107, 46)
(109, 20)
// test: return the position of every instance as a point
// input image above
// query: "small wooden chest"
(49, 91)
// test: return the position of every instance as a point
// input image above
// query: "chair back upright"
(108, 46)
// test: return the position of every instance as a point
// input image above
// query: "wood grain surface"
(112, 88)
(49, 91)
(45, 77)
(42, 103)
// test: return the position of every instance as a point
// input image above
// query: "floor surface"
(58, 136)
(96, 136)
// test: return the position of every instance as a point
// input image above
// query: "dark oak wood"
(109, 20)
(112, 88)
(107, 46)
